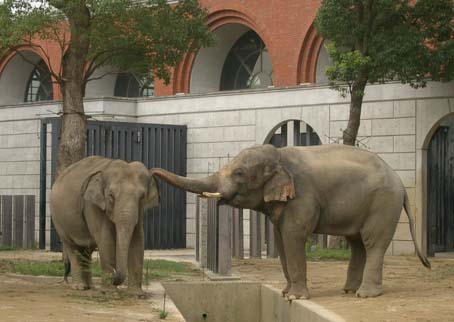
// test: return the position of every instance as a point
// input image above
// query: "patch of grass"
(163, 315)
(153, 269)
(162, 269)
(328, 254)
(7, 248)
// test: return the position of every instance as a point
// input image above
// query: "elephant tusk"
(211, 194)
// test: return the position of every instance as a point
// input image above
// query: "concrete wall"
(397, 122)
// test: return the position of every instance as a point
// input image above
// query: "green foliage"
(134, 36)
(163, 314)
(386, 40)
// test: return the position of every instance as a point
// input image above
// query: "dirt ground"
(49, 299)
(411, 293)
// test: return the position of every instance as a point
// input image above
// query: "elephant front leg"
(356, 264)
(282, 257)
(135, 260)
(106, 247)
(294, 242)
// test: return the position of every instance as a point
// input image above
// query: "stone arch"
(309, 54)
(15, 73)
(300, 134)
(216, 21)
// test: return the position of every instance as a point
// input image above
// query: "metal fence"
(17, 221)
(156, 145)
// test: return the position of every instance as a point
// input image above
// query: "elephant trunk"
(206, 186)
(124, 235)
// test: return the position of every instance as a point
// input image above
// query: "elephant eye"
(238, 173)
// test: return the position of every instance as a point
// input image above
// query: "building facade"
(265, 71)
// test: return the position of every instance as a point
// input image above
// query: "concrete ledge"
(242, 302)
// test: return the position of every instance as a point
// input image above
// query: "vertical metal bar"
(271, 249)
(225, 240)
(30, 217)
(42, 185)
(284, 135)
(18, 220)
(56, 127)
(7, 220)
(238, 241)
(197, 229)
(296, 133)
(308, 135)
(255, 248)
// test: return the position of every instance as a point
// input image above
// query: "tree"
(131, 36)
(381, 40)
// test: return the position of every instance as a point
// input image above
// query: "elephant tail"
(409, 213)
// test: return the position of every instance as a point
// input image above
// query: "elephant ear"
(152, 199)
(93, 190)
(280, 186)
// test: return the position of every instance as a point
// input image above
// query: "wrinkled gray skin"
(329, 189)
(99, 203)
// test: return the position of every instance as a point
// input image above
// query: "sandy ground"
(39, 299)
(412, 293)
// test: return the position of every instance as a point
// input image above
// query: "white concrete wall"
(395, 124)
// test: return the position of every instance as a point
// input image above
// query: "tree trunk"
(73, 129)
(357, 94)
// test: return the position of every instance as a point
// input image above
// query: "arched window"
(247, 65)
(129, 85)
(39, 86)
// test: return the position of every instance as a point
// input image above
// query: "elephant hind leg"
(377, 234)
(356, 264)
(79, 266)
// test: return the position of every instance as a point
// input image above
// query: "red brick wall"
(286, 27)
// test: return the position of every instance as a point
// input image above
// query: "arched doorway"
(440, 189)
(293, 133)
(239, 60)
(26, 78)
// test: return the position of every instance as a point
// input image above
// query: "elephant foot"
(351, 287)
(369, 291)
(297, 292)
(286, 289)
(137, 291)
(80, 286)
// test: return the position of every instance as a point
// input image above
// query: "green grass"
(328, 254)
(153, 269)
(7, 248)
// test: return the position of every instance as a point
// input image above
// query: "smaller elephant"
(99, 203)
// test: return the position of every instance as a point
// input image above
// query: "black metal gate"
(155, 145)
(440, 191)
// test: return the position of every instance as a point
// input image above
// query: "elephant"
(327, 189)
(98, 203)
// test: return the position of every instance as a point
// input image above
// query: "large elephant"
(99, 203)
(329, 189)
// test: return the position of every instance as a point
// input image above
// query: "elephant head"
(122, 191)
(254, 178)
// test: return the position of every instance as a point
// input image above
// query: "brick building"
(266, 71)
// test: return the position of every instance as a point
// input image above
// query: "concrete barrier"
(242, 302)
